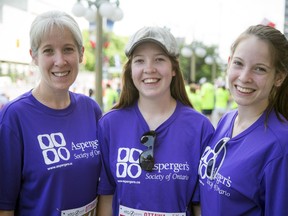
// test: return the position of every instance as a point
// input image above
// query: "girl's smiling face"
(152, 71)
(251, 73)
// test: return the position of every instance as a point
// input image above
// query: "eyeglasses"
(212, 169)
(146, 158)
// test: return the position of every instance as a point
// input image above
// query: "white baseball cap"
(158, 35)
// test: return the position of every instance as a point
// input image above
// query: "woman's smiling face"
(58, 59)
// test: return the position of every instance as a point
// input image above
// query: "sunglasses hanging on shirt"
(212, 167)
(146, 158)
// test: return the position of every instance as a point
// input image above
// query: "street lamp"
(106, 9)
(214, 61)
(187, 52)
(211, 61)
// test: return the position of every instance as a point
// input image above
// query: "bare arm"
(104, 207)
(196, 209)
(6, 213)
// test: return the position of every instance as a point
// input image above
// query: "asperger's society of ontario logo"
(53, 148)
(127, 163)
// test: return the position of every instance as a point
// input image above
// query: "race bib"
(87, 210)
(125, 211)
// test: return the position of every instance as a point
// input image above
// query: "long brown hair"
(130, 94)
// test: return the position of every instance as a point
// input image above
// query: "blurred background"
(204, 30)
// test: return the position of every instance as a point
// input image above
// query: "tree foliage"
(113, 48)
(114, 55)
(202, 68)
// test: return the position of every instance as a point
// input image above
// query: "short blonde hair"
(45, 22)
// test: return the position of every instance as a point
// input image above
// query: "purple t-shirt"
(49, 159)
(172, 185)
(251, 175)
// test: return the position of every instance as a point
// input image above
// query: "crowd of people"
(211, 99)
(154, 149)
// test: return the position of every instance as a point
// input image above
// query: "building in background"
(15, 20)
(16, 17)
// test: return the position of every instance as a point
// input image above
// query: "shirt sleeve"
(107, 183)
(275, 184)
(10, 167)
(207, 133)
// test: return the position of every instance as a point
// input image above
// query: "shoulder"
(84, 100)
(279, 129)
(187, 110)
(17, 105)
(123, 114)
(81, 97)
(226, 121)
(274, 142)
(189, 114)
(229, 116)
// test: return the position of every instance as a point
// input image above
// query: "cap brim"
(130, 50)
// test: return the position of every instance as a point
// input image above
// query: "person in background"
(207, 93)
(50, 157)
(244, 171)
(111, 97)
(152, 140)
(91, 93)
(222, 98)
(195, 97)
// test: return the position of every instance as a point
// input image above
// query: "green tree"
(112, 45)
(89, 54)
(202, 68)
(116, 47)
